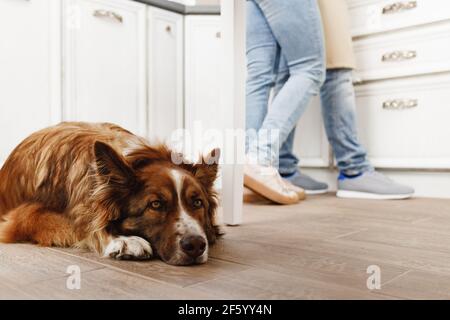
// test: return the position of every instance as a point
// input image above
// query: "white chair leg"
(233, 99)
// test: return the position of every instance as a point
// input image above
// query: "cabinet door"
(30, 97)
(105, 73)
(203, 81)
(165, 73)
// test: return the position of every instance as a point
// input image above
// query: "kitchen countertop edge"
(180, 8)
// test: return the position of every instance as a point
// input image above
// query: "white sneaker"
(267, 182)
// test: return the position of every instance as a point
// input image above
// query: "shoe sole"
(301, 193)
(371, 196)
(261, 189)
(316, 192)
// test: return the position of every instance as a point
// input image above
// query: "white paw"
(129, 248)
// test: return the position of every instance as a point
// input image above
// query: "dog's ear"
(111, 166)
(207, 170)
(115, 181)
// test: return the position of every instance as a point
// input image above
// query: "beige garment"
(338, 40)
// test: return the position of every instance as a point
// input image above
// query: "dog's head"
(171, 205)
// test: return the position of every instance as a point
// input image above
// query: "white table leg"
(233, 99)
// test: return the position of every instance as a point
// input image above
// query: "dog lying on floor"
(98, 186)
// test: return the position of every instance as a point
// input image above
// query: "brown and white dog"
(101, 187)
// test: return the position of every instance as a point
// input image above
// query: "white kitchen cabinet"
(203, 56)
(402, 101)
(105, 62)
(30, 92)
(165, 73)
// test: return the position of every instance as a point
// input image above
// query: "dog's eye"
(198, 203)
(156, 205)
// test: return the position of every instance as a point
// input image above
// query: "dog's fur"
(101, 187)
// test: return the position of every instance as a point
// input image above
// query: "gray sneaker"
(372, 185)
(307, 183)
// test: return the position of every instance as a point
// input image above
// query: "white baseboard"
(426, 184)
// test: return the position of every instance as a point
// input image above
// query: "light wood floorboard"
(318, 249)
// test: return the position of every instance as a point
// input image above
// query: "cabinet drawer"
(373, 16)
(404, 53)
(404, 123)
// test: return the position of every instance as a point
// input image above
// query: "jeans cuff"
(356, 171)
(287, 170)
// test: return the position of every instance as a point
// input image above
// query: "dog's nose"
(193, 246)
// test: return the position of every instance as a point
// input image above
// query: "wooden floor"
(319, 249)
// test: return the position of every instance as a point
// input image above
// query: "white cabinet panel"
(165, 73)
(203, 78)
(404, 53)
(375, 16)
(310, 143)
(30, 75)
(105, 64)
(405, 123)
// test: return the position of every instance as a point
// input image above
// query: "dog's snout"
(193, 246)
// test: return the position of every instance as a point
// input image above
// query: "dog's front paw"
(129, 248)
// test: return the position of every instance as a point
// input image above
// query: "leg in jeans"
(339, 115)
(262, 60)
(263, 56)
(297, 29)
(357, 179)
(288, 163)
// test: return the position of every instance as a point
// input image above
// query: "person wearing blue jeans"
(294, 84)
(338, 112)
(289, 31)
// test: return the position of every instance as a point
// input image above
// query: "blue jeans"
(287, 31)
(338, 112)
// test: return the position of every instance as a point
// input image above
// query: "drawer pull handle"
(218, 35)
(400, 104)
(399, 7)
(108, 14)
(168, 29)
(399, 56)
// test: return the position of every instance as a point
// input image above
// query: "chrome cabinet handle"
(399, 6)
(108, 14)
(399, 56)
(400, 104)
